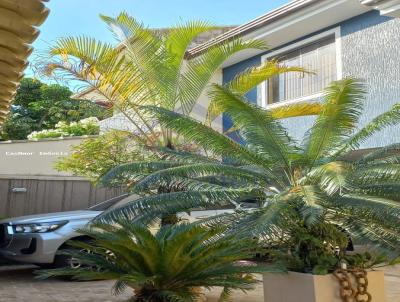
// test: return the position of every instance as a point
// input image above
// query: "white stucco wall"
(34, 157)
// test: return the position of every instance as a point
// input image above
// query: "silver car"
(37, 238)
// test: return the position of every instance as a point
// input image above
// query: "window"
(319, 57)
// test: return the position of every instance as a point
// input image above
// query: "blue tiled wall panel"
(371, 52)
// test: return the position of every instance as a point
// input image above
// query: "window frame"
(263, 102)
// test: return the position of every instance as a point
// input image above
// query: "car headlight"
(43, 227)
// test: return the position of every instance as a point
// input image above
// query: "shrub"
(88, 126)
(95, 156)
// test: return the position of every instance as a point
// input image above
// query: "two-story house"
(334, 38)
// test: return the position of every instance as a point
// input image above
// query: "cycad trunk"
(148, 295)
(168, 219)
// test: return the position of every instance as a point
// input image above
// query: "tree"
(171, 265)
(39, 106)
(149, 68)
(296, 184)
(95, 156)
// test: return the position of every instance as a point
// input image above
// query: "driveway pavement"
(18, 285)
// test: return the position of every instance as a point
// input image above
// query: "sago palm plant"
(309, 182)
(172, 265)
(148, 67)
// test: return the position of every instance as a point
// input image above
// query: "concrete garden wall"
(29, 184)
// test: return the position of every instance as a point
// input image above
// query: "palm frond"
(371, 202)
(384, 189)
(199, 171)
(371, 227)
(154, 205)
(119, 287)
(380, 153)
(342, 106)
(254, 76)
(199, 71)
(261, 132)
(205, 136)
(179, 38)
(142, 46)
(134, 170)
(283, 111)
(386, 119)
(260, 222)
(104, 69)
(312, 210)
(181, 156)
(295, 110)
(332, 177)
(377, 173)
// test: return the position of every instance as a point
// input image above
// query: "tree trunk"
(168, 219)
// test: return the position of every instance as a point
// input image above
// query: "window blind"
(318, 57)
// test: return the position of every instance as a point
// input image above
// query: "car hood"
(59, 216)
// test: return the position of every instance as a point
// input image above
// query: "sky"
(81, 17)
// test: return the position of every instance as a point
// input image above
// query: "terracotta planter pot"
(297, 287)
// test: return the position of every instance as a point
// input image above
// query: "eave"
(253, 25)
(19, 20)
(288, 23)
(389, 8)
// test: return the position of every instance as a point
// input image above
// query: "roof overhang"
(389, 8)
(18, 29)
(288, 23)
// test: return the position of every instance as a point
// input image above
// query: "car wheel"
(65, 261)
(74, 263)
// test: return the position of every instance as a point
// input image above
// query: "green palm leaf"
(136, 170)
(199, 71)
(198, 171)
(332, 177)
(343, 103)
(260, 130)
(142, 46)
(249, 79)
(154, 205)
(200, 134)
(254, 76)
(380, 153)
(378, 173)
(386, 119)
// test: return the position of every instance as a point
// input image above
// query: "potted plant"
(323, 266)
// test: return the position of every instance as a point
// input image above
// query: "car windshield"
(110, 203)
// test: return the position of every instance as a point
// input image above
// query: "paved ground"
(18, 285)
(392, 284)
